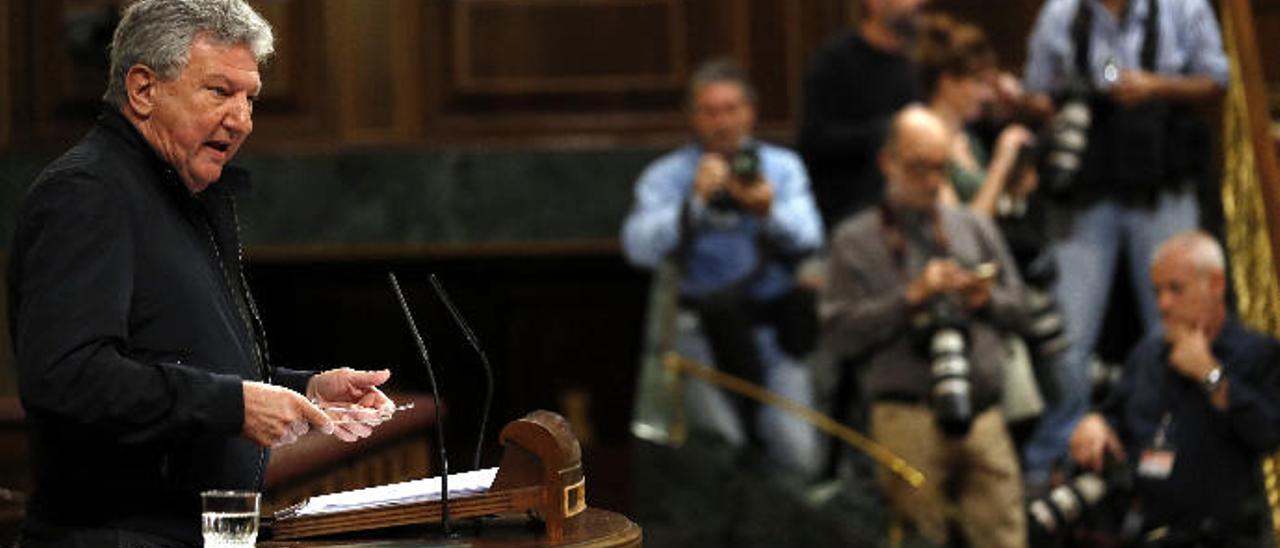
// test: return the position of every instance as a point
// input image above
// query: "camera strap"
(683, 252)
(896, 236)
(1082, 31)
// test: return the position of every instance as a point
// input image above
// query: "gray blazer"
(865, 316)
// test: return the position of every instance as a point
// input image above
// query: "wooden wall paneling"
(350, 27)
(7, 76)
(296, 85)
(771, 60)
(432, 70)
(796, 60)
(372, 69)
(68, 63)
(558, 72)
(406, 55)
(716, 29)
(820, 21)
(560, 46)
(1266, 18)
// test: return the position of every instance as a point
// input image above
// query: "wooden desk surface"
(593, 527)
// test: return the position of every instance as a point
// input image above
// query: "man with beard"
(856, 82)
(906, 281)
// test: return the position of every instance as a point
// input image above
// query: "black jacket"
(852, 90)
(1215, 486)
(133, 333)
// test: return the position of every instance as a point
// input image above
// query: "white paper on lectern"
(426, 489)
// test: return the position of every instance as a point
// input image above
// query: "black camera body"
(1051, 517)
(1046, 333)
(944, 329)
(744, 167)
(744, 164)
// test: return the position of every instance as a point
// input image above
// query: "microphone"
(484, 360)
(435, 396)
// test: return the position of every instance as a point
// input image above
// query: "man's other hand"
(938, 276)
(1135, 87)
(369, 406)
(754, 196)
(976, 290)
(275, 416)
(712, 175)
(1092, 440)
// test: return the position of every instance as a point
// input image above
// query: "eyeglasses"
(923, 168)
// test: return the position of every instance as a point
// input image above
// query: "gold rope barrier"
(1247, 232)
(684, 366)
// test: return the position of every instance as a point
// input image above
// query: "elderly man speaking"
(142, 362)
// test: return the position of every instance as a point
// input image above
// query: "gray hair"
(158, 34)
(1202, 249)
(718, 71)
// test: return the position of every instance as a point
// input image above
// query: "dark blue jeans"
(1087, 258)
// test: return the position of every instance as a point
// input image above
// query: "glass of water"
(230, 518)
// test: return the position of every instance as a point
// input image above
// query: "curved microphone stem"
(435, 396)
(484, 361)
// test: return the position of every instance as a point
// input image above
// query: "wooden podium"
(540, 475)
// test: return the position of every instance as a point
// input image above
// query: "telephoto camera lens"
(949, 371)
(1069, 137)
(1049, 518)
(1064, 505)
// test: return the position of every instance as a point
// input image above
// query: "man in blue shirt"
(1197, 408)
(733, 212)
(1139, 64)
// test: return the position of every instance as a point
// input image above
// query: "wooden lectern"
(540, 473)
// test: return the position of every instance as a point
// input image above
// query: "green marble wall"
(378, 197)
(413, 197)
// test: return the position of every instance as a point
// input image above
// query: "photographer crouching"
(924, 295)
(1197, 408)
(734, 214)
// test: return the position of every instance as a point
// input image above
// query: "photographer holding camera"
(1127, 155)
(1196, 410)
(735, 214)
(923, 295)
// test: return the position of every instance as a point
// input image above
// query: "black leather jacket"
(133, 330)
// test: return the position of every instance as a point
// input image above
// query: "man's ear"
(140, 90)
(1218, 282)
(885, 159)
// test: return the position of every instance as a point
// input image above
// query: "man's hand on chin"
(1189, 352)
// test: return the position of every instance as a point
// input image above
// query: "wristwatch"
(1212, 380)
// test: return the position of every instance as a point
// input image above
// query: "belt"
(899, 397)
(908, 398)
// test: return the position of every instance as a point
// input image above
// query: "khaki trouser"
(974, 478)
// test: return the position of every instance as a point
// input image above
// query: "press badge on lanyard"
(1157, 460)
